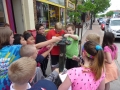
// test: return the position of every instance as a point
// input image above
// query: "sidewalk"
(115, 85)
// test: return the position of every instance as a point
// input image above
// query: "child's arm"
(108, 58)
(48, 51)
(75, 37)
(102, 85)
(66, 84)
(42, 44)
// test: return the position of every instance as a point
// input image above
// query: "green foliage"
(85, 7)
(101, 5)
(109, 14)
(103, 15)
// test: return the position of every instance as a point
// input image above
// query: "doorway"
(18, 16)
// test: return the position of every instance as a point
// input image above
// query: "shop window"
(42, 13)
(2, 17)
(53, 15)
(62, 16)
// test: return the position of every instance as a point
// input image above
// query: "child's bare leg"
(107, 86)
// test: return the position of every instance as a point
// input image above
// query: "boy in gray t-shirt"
(31, 51)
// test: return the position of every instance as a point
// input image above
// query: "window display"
(53, 15)
(2, 18)
(42, 13)
(48, 14)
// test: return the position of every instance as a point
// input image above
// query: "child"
(56, 32)
(93, 37)
(71, 49)
(28, 37)
(40, 37)
(9, 53)
(91, 75)
(110, 52)
(19, 39)
(31, 51)
(90, 37)
(30, 40)
(21, 72)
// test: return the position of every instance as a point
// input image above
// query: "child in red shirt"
(56, 32)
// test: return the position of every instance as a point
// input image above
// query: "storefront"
(50, 11)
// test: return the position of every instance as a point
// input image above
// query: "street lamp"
(91, 17)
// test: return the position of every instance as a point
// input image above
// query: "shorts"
(55, 60)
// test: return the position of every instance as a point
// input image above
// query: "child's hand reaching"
(66, 35)
(75, 58)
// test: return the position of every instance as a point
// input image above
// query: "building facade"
(22, 15)
(19, 14)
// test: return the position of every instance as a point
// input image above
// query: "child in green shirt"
(71, 49)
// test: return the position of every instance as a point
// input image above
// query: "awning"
(51, 3)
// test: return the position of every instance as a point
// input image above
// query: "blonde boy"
(56, 32)
(93, 37)
(31, 51)
(90, 37)
(21, 72)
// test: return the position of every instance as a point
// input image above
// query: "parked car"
(103, 24)
(114, 27)
(99, 19)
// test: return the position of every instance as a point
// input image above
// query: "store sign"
(70, 5)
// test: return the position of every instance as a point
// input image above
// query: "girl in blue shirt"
(9, 53)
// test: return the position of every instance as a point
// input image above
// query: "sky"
(115, 5)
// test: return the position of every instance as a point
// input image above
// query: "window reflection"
(42, 13)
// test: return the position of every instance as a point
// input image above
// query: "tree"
(109, 14)
(81, 8)
(102, 15)
(101, 5)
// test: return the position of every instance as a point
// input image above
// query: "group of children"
(23, 60)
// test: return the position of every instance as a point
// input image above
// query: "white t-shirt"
(11, 87)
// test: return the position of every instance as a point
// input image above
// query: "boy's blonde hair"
(58, 26)
(22, 70)
(93, 37)
(27, 50)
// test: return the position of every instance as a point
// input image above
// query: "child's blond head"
(28, 51)
(22, 70)
(93, 37)
(58, 26)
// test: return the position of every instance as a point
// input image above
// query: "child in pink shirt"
(89, 76)
(110, 52)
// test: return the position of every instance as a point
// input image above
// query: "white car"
(114, 27)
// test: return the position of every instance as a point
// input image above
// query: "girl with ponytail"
(110, 53)
(89, 76)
